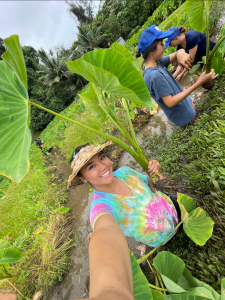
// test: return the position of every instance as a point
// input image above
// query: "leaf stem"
(143, 258)
(132, 130)
(157, 288)
(208, 63)
(120, 143)
(118, 124)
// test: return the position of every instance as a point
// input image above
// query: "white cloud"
(40, 24)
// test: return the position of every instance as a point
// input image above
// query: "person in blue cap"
(163, 87)
(193, 42)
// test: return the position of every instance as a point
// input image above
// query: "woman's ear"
(84, 180)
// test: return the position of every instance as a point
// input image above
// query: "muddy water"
(74, 283)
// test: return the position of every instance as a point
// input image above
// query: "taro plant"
(172, 279)
(110, 72)
(198, 17)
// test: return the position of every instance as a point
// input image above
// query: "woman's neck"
(107, 188)
(150, 63)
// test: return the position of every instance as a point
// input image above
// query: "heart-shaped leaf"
(15, 136)
(93, 101)
(198, 227)
(187, 281)
(114, 73)
(171, 286)
(196, 12)
(14, 57)
(141, 290)
(218, 64)
(200, 291)
(186, 201)
(125, 52)
(169, 265)
(9, 255)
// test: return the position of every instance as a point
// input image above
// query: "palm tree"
(53, 68)
(89, 37)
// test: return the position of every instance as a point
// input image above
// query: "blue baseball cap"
(150, 35)
(176, 31)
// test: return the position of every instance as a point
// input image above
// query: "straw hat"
(83, 156)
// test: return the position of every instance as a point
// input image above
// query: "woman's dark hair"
(151, 48)
(75, 152)
(182, 29)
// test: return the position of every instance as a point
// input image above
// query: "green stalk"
(120, 143)
(155, 275)
(118, 124)
(157, 288)
(161, 283)
(219, 42)
(208, 65)
(132, 130)
(143, 258)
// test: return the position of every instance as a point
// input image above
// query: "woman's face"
(98, 170)
(158, 53)
(174, 42)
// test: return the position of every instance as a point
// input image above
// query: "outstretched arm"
(110, 266)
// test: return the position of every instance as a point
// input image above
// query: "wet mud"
(75, 283)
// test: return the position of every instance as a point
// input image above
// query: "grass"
(28, 222)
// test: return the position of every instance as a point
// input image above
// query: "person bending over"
(163, 87)
(193, 42)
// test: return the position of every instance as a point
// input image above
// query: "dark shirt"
(161, 83)
(194, 38)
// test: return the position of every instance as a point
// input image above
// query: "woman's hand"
(153, 167)
(203, 78)
(184, 59)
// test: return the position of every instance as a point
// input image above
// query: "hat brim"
(172, 36)
(83, 156)
(165, 34)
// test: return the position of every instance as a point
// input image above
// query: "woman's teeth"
(106, 173)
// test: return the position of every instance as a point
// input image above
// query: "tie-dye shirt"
(148, 217)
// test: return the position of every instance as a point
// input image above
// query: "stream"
(74, 284)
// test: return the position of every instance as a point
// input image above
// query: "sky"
(40, 24)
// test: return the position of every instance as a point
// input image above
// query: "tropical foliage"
(198, 17)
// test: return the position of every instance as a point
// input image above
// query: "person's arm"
(177, 72)
(182, 58)
(192, 53)
(110, 265)
(171, 101)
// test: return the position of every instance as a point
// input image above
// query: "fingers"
(153, 167)
(215, 76)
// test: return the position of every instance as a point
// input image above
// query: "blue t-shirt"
(194, 38)
(161, 83)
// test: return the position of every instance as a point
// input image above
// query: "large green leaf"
(222, 46)
(4, 244)
(169, 265)
(200, 291)
(196, 12)
(126, 53)
(14, 57)
(15, 136)
(184, 296)
(9, 255)
(92, 100)
(186, 201)
(187, 281)
(223, 289)
(198, 227)
(218, 64)
(141, 290)
(114, 73)
(172, 286)
(158, 295)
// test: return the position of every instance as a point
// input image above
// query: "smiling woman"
(127, 196)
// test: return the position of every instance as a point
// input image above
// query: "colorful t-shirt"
(148, 217)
